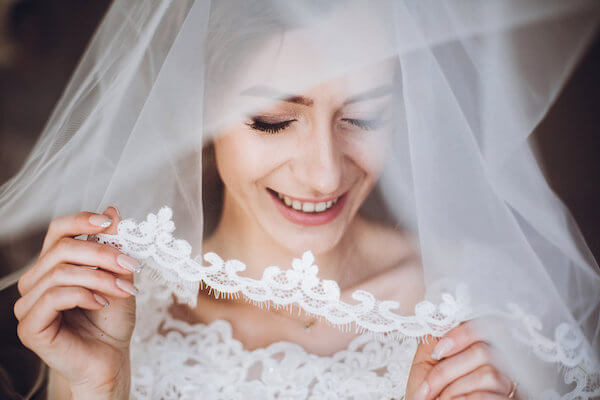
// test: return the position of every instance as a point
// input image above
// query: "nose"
(318, 165)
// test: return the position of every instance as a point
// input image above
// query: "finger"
(112, 213)
(79, 252)
(71, 226)
(448, 370)
(422, 364)
(455, 341)
(43, 320)
(74, 225)
(484, 379)
(112, 230)
(73, 275)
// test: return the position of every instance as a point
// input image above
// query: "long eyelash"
(270, 128)
(367, 125)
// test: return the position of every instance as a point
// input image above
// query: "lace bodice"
(172, 359)
(201, 361)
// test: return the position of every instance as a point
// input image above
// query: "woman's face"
(299, 169)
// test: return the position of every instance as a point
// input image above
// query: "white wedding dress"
(201, 361)
(174, 360)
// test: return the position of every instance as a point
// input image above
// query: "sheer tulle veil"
(161, 80)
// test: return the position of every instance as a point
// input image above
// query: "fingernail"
(116, 210)
(442, 348)
(100, 220)
(421, 393)
(128, 263)
(127, 286)
(88, 266)
(101, 300)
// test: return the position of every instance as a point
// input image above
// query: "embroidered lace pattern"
(191, 359)
(204, 362)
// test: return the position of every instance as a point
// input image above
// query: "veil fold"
(160, 82)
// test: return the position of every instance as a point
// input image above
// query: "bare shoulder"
(398, 273)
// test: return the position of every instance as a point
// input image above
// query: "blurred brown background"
(40, 44)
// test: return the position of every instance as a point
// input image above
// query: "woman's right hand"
(77, 309)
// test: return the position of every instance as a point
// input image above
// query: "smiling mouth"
(310, 207)
(304, 212)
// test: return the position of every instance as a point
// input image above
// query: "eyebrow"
(269, 92)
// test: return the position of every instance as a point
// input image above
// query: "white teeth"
(307, 206)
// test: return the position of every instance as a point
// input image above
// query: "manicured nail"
(101, 300)
(421, 393)
(443, 347)
(128, 263)
(127, 286)
(100, 220)
(116, 210)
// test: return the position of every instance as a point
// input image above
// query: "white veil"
(160, 82)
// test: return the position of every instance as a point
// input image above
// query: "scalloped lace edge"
(170, 262)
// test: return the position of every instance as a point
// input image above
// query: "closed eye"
(263, 126)
(366, 124)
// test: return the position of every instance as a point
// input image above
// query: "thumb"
(113, 213)
(422, 364)
(121, 313)
(127, 305)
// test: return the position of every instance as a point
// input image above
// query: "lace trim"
(170, 261)
(568, 349)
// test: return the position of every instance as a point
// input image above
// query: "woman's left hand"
(458, 366)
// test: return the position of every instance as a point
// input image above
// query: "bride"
(356, 137)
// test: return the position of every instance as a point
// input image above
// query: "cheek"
(241, 159)
(367, 152)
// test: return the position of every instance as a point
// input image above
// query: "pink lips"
(309, 219)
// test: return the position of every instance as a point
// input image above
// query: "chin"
(317, 243)
(299, 238)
